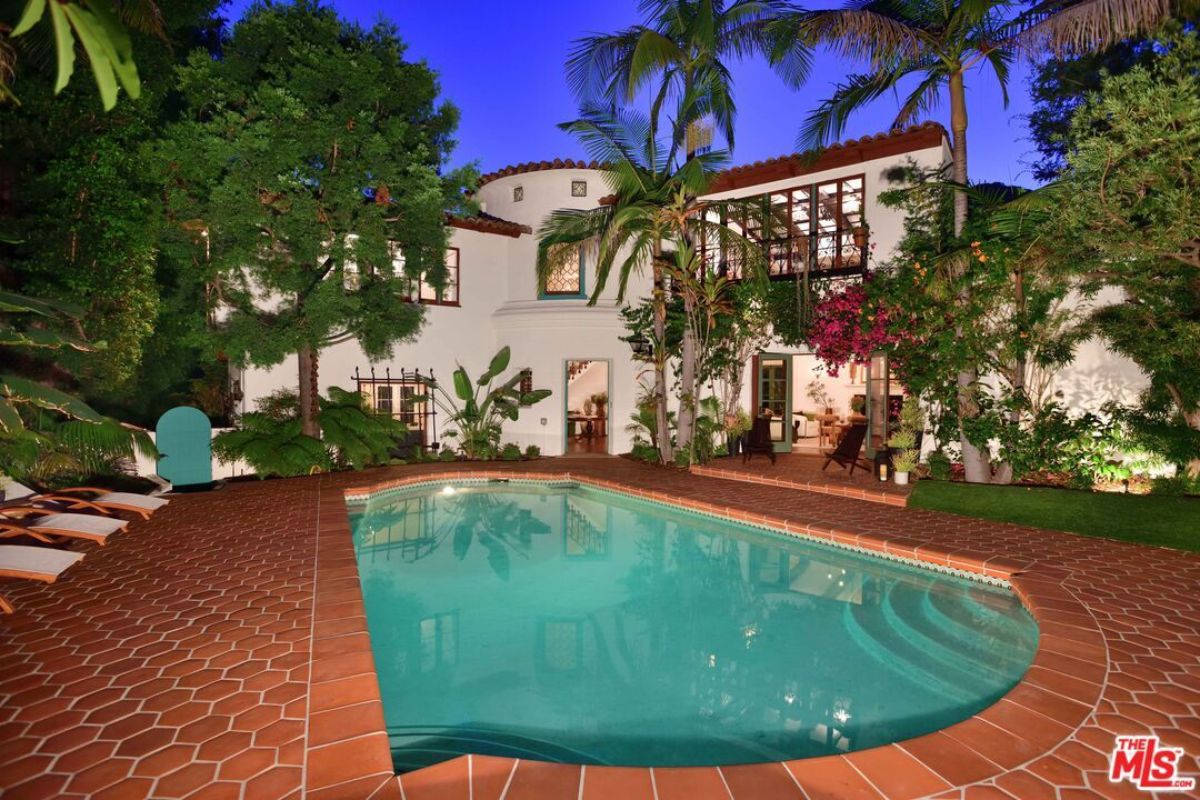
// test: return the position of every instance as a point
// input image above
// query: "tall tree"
(938, 43)
(84, 209)
(310, 155)
(679, 54)
(1132, 221)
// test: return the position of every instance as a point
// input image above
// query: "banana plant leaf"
(462, 385)
(19, 390)
(499, 364)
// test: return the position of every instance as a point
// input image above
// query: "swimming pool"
(565, 623)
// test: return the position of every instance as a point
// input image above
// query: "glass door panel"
(877, 404)
(775, 393)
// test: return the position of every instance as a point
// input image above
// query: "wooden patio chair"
(846, 454)
(758, 440)
(47, 525)
(33, 563)
(75, 498)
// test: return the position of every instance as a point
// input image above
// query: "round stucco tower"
(547, 330)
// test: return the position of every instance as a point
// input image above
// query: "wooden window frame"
(794, 262)
(457, 273)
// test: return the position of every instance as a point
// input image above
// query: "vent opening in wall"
(518, 194)
(578, 188)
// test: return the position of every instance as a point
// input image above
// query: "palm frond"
(1070, 27)
(652, 53)
(828, 120)
(596, 64)
(921, 100)
(1001, 61)
(863, 34)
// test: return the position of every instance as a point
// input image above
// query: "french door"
(773, 380)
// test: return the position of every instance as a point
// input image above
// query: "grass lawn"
(1145, 519)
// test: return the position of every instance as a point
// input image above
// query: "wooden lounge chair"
(758, 440)
(47, 525)
(846, 453)
(104, 499)
(33, 563)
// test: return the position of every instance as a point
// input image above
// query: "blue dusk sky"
(501, 62)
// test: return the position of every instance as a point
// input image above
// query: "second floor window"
(820, 226)
(427, 293)
(567, 278)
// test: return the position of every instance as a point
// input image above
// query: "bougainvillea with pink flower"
(848, 326)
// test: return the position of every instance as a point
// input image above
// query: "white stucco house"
(577, 350)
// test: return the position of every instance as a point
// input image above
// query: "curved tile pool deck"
(220, 650)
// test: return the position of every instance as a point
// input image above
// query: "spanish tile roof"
(538, 166)
(851, 151)
(487, 223)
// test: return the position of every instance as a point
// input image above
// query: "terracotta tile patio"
(805, 471)
(218, 650)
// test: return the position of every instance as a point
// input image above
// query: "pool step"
(933, 640)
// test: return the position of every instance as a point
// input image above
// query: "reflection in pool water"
(570, 624)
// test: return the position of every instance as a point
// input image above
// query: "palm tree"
(684, 44)
(653, 219)
(679, 55)
(939, 43)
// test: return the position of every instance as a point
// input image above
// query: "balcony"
(836, 254)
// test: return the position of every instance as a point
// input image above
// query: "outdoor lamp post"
(641, 346)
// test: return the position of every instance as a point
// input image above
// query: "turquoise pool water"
(571, 624)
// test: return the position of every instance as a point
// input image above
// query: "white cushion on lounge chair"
(78, 523)
(133, 500)
(35, 562)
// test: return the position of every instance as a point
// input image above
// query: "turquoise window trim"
(581, 294)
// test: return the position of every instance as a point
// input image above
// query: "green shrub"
(644, 451)
(357, 435)
(511, 452)
(446, 454)
(533, 451)
(270, 441)
(905, 460)
(1175, 486)
(902, 440)
(940, 466)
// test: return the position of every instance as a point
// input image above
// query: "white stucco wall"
(499, 305)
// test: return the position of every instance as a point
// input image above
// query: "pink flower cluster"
(846, 328)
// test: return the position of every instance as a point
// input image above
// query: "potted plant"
(904, 454)
(905, 443)
(600, 402)
(860, 233)
(737, 425)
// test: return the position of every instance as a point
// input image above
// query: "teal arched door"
(184, 441)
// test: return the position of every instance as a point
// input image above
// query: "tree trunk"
(661, 421)
(1192, 417)
(975, 460)
(309, 381)
(1003, 472)
(687, 380)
